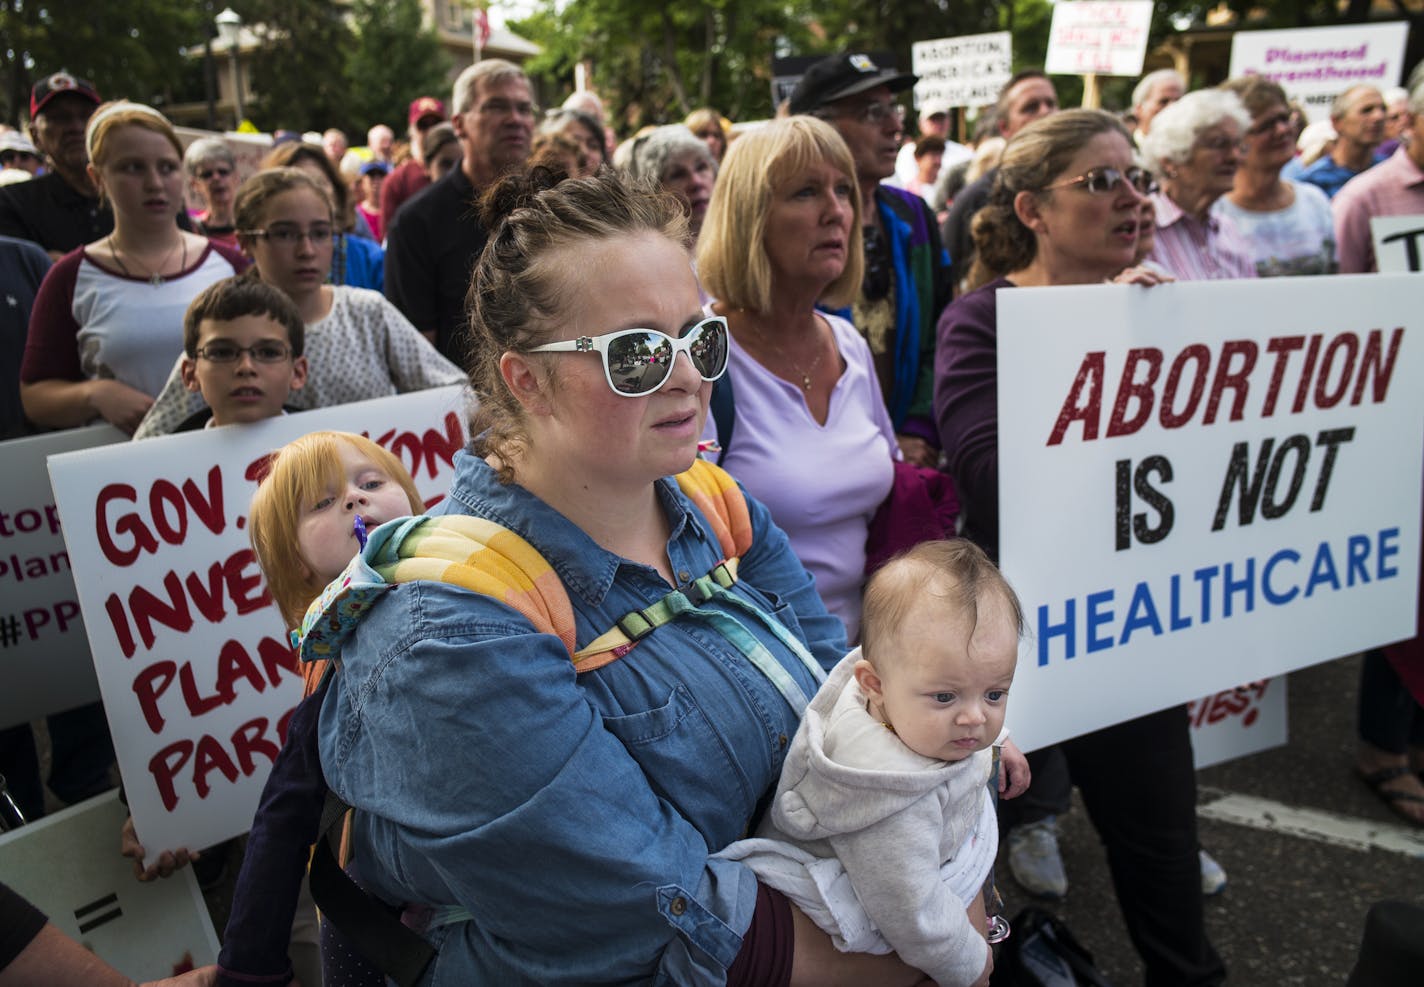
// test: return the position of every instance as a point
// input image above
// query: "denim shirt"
(572, 816)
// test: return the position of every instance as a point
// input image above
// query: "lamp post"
(229, 24)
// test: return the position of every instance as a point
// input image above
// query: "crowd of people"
(833, 285)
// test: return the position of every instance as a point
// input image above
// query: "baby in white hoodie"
(882, 829)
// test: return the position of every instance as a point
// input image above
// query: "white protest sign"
(1203, 484)
(1316, 64)
(1236, 722)
(966, 71)
(1092, 38)
(1399, 242)
(44, 656)
(196, 673)
(68, 865)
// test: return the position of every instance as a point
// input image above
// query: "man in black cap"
(60, 210)
(906, 285)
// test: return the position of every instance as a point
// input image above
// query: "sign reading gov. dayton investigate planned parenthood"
(1204, 484)
(193, 664)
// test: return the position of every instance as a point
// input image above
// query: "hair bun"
(516, 191)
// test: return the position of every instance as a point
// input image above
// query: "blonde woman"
(108, 320)
(811, 438)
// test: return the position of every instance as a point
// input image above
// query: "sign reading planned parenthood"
(1204, 484)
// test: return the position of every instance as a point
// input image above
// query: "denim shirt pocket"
(774, 606)
(675, 744)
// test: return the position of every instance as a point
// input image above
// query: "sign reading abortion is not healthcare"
(196, 673)
(1316, 64)
(1204, 484)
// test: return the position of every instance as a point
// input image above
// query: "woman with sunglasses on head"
(810, 436)
(501, 777)
(358, 345)
(212, 173)
(1065, 209)
(1287, 224)
(1195, 149)
(107, 322)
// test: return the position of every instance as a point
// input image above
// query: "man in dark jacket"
(437, 236)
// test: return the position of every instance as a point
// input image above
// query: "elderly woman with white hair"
(680, 163)
(1194, 149)
(212, 171)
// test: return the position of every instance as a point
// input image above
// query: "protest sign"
(966, 71)
(196, 673)
(1316, 64)
(1236, 722)
(1204, 484)
(68, 865)
(1399, 243)
(1088, 37)
(44, 656)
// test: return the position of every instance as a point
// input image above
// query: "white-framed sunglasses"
(639, 361)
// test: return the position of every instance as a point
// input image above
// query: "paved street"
(1294, 910)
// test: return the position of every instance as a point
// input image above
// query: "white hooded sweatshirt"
(881, 847)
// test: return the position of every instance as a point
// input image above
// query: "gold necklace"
(155, 277)
(805, 375)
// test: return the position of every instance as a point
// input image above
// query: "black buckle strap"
(365, 921)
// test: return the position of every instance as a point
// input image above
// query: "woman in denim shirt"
(561, 824)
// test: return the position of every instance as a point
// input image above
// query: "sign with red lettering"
(1316, 64)
(44, 655)
(1236, 722)
(194, 666)
(1204, 484)
(1090, 37)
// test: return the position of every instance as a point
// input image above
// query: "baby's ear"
(868, 679)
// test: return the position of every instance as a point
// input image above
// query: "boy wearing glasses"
(242, 343)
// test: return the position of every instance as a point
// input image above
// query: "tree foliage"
(299, 72)
(655, 61)
(126, 48)
(393, 61)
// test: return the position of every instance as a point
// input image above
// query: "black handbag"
(1041, 952)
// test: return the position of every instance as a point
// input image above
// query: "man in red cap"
(59, 210)
(411, 177)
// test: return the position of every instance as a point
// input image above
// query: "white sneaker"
(1213, 877)
(1035, 861)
